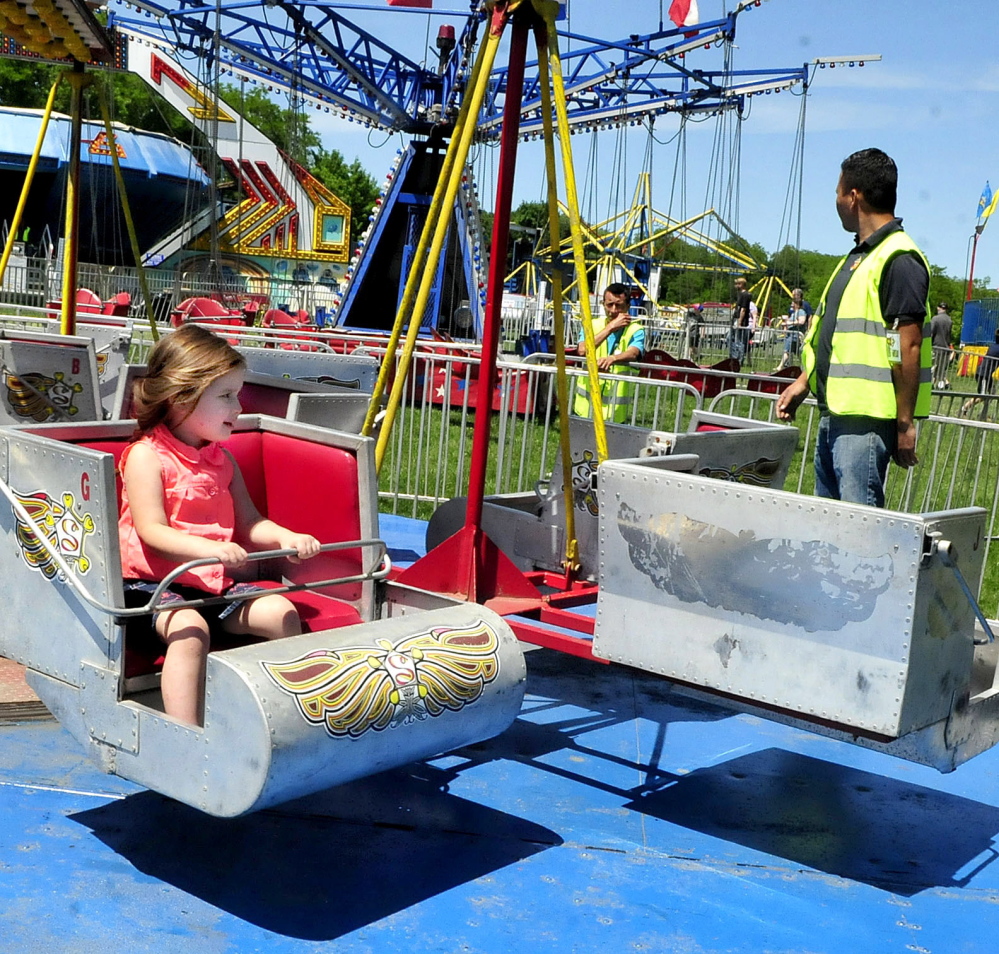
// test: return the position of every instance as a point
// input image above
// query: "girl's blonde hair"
(181, 367)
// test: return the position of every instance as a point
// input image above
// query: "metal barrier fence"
(429, 452)
(35, 282)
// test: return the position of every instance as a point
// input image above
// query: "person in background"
(941, 328)
(795, 325)
(738, 340)
(619, 340)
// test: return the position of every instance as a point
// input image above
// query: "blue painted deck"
(614, 816)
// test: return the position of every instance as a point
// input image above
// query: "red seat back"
(297, 474)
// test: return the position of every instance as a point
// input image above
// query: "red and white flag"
(684, 12)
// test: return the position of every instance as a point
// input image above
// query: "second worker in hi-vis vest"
(619, 340)
(867, 357)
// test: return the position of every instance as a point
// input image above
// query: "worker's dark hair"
(617, 289)
(874, 175)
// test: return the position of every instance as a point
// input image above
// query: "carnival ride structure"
(325, 61)
(902, 691)
(922, 689)
(160, 175)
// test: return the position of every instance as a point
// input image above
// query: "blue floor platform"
(616, 815)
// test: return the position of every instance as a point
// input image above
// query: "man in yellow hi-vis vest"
(867, 357)
(619, 339)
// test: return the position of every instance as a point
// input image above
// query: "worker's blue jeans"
(851, 458)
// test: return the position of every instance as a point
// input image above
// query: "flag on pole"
(684, 12)
(990, 208)
(985, 200)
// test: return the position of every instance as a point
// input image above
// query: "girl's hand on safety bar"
(231, 555)
(306, 545)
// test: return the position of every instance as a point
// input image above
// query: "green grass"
(960, 465)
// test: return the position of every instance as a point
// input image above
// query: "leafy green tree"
(25, 84)
(289, 129)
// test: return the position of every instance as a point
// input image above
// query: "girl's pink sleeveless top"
(196, 499)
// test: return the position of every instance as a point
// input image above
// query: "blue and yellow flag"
(985, 202)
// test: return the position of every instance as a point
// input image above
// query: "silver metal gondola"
(385, 674)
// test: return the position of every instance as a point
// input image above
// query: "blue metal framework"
(308, 47)
(609, 82)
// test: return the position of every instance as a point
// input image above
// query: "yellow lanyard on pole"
(547, 9)
(29, 176)
(416, 269)
(562, 384)
(438, 221)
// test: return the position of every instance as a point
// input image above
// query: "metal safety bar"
(948, 556)
(379, 569)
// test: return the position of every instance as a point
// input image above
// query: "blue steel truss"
(311, 49)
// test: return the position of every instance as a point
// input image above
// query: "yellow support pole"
(572, 204)
(561, 382)
(127, 212)
(425, 276)
(77, 80)
(28, 178)
(415, 271)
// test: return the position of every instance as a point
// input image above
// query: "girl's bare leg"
(272, 617)
(183, 682)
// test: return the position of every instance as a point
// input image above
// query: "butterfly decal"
(357, 688)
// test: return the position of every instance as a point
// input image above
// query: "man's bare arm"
(905, 378)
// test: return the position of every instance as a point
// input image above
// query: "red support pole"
(971, 271)
(492, 319)
(469, 565)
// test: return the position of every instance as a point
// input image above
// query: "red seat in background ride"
(117, 306)
(763, 384)
(87, 302)
(204, 311)
(281, 321)
(685, 371)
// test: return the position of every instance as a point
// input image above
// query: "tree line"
(693, 274)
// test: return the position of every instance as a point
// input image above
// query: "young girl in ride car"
(184, 499)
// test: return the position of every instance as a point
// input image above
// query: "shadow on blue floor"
(402, 556)
(321, 867)
(827, 816)
(868, 828)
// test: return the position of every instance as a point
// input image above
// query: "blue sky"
(931, 103)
